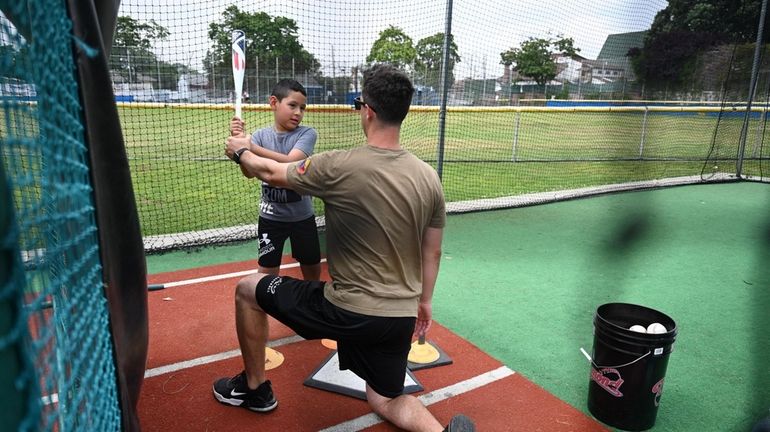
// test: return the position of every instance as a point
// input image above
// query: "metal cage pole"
(752, 86)
(444, 89)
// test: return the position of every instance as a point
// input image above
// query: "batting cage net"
(544, 100)
(516, 103)
(57, 368)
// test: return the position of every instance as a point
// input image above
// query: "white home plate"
(329, 377)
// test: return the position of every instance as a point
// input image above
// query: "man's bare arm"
(267, 170)
(431, 257)
(293, 156)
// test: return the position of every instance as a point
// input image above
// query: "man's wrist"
(238, 153)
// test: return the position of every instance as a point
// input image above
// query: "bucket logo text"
(604, 380)
(658, 390)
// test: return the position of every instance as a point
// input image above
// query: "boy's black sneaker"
(235, 391)
(460, 423)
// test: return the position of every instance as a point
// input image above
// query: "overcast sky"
(340, 33)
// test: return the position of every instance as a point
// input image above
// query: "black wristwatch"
(237, 155)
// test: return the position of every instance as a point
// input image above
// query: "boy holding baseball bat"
(283, 212)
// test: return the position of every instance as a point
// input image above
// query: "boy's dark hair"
(283, 87)
(388, 91)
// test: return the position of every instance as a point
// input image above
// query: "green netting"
(657, 94)
(61, 329)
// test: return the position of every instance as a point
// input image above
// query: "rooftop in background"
(617, 45)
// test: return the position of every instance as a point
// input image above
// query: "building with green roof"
(617, 45)
(614, 52)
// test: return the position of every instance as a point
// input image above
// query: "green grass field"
(183, 182)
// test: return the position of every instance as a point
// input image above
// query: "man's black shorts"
(374, 348)
(303, 234)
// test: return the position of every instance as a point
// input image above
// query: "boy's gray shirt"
(280, 204)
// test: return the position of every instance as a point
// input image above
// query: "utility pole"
(157, 69)
(334, 72)
(484, 79)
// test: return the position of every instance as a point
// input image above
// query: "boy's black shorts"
(374, 348)
(303, 234)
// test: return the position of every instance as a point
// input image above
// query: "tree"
(534, 58)
(267, 38)
(669, 58)
(132, 54)
(729, 20)
(686, 28)
(430, 55)
(132, 33)
(395, 47)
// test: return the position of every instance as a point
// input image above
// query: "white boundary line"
(54, 398)
(428, 399)
(221, 276)
(175, 367)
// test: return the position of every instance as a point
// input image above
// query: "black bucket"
(628, 368)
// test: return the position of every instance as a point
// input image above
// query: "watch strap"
(237, 155)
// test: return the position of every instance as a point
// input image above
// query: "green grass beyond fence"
(183, 182)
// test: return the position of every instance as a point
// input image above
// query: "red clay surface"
(191, 321)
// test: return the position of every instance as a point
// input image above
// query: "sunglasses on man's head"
(358, 103)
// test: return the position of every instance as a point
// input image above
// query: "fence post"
(516, 136)
(644, 131)
(755, 153)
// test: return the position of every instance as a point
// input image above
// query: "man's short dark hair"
(388, 91)
(285, 86)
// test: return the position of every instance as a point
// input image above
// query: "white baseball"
(656, 328)
(637, 328)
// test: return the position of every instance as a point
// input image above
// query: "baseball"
(656, 328)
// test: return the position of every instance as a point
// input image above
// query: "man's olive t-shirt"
(378, 204)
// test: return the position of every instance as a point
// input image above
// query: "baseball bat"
(239, 66)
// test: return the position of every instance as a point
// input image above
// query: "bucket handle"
(612, 367)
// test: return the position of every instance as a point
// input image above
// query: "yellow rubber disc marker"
(273, 358)
(423, 353)
(328, 343)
